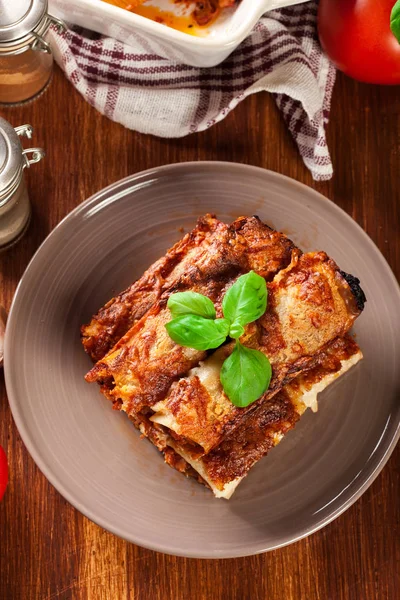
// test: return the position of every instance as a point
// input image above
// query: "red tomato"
(356, 36)
(3, 472)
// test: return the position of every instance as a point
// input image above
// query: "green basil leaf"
(395, 20)
(197, 332)
(246, 300)
(236, 331)
(245, 375)
(223, 325)
(191, 303)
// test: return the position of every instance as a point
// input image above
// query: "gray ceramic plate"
(94, 456)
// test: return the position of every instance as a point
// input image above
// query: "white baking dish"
(221, 39)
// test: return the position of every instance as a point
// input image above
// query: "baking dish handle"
(273, 4)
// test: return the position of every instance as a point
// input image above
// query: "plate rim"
(52, 477)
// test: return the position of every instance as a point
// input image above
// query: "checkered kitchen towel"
(152, 95)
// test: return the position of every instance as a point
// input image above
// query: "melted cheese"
(308, 397)
(208, 372)
(162, 416)
(198, 466)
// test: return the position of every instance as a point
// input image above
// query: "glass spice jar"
(15, 208)
(26, 60)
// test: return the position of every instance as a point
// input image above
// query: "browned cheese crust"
(114, 319)
(139, 370)
(247, 444)
(309, 305)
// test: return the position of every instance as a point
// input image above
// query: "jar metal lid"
(19, 18)
(23, 25)
(13, 158)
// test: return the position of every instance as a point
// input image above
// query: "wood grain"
(48, 550)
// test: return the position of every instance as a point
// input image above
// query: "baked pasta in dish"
(202, 12)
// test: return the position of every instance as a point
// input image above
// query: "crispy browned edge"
(116, 317)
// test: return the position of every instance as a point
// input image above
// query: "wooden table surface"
(48, 550)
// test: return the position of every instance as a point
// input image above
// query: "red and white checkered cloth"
(152, 95)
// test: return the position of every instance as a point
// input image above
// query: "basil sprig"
(395, 20)
(194, 331)
(246, 373)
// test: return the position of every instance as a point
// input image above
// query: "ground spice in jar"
(24, 76)
(26, 61)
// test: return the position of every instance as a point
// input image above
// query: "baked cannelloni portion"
(310, 303)
(142, 366)
(224, 467)
(173, 394)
